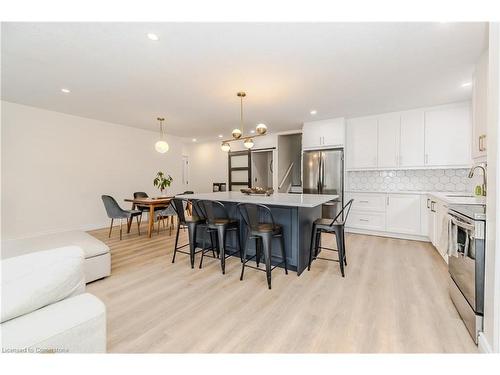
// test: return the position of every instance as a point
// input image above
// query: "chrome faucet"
(471, 174)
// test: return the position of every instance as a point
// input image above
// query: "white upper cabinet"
(411, 151)
(388, 140)
(323, 134)
(362, 145)
(428, 137)
(479, 108)
(448, 136)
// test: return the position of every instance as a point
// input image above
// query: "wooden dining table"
(152, 203)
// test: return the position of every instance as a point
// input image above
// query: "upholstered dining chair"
(168, 213)
(114, 211)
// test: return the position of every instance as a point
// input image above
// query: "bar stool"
(192, 223)
(330, 226)
(218, 224)
(261, 227)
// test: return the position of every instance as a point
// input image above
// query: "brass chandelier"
(237, 133)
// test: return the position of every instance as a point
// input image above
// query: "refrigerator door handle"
(318, 183)
(322, 174)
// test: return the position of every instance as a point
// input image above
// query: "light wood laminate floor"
(394, 298)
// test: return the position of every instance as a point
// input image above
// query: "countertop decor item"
(257, 191)
(238, 133)
(161, 146)
(162, 181)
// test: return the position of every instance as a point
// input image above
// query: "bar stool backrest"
(179, 205)
(347, 209)
(212, 210)
(255, 214)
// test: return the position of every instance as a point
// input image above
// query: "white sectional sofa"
(97, 255)
(44, 307)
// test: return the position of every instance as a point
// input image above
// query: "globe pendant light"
(237, 133)
(161, 146)
(261, 129)
(248, 143)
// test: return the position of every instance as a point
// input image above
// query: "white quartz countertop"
(445, 196)
(276, 199)
(458, 198)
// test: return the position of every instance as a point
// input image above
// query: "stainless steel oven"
(466, 267)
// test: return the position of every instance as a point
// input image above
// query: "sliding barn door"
(239, 170)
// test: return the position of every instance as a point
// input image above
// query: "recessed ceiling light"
(194, 139)
(313, 112)
(220, 136)
(466, 84)
(66, 91)
(153, 36)
(252, 131)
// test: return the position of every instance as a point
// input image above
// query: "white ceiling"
(191, 75)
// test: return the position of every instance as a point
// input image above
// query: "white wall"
(55, 167)
(207, 164)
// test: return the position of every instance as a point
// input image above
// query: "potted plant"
(162, 181)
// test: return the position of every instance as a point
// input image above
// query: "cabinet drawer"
(368, 202)
(366, 220)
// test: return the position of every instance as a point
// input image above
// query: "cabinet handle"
(428, 203)
(387, 200)
(432, 206)
(481, 142)
(364, 202)
(364, 220)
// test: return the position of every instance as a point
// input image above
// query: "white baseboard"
(482, 344)
(387, 234)
(83, 228)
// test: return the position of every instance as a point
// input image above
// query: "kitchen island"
(295, 212)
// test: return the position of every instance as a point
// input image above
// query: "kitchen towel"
(452, 237)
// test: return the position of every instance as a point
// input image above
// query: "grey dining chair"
(169, 212)
(114, 211)
(166, 213)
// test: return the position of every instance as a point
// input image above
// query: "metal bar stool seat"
(335, 226)
(218, 224)
(262, 228)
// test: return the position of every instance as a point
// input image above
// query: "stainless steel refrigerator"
(323, 173)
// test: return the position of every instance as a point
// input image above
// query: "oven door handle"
(459, 223)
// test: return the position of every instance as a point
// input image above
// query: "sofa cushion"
(74, 325)
(91, 246)
(32, 281)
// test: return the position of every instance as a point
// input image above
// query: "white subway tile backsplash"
(454, 180)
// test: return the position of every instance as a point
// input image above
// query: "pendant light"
(248, 143)
(237, 133)
(161, 146)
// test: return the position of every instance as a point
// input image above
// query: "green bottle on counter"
(478, 190)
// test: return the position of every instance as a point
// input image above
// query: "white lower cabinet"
(403, 213)
(387, 212)
(437, 212)
(368, 202)
(367, 220)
